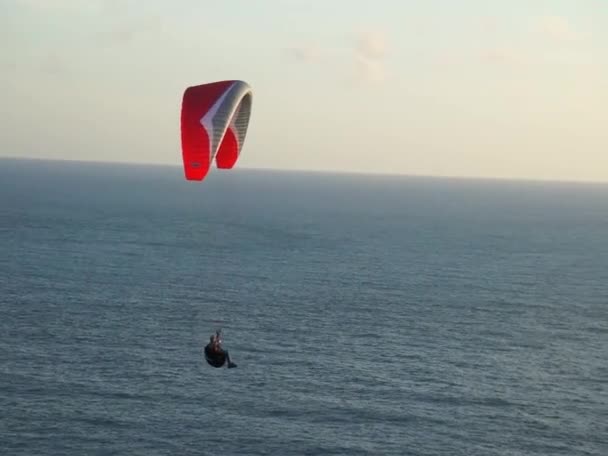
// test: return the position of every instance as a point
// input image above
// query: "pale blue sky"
(514, 88)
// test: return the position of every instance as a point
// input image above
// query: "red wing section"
(229, 151)
(214, 122)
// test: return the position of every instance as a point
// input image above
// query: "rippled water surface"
(367, 315)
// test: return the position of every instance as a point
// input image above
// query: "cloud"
(557, 28)
(371, 49)
(501, 56)
(366, 51)
(371, 45)
(544, 41)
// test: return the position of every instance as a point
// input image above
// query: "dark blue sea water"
(367, 315)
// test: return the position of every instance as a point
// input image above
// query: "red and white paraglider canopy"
(214, 121)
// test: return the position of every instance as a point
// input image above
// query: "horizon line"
(537, 180)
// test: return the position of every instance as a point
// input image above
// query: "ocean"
(368, 315)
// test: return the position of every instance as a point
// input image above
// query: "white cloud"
(367, 52)
(557, 28)
(371, 48)
(371, 45)
(502, 56)
(546, 40)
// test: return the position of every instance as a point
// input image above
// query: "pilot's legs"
(230, 363)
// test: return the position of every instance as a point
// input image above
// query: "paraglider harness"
(214, 354)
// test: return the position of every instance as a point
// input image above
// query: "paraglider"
(215, 354)
(214, 122)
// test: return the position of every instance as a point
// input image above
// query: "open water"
(367, 315)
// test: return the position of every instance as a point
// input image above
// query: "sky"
(468, 88)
